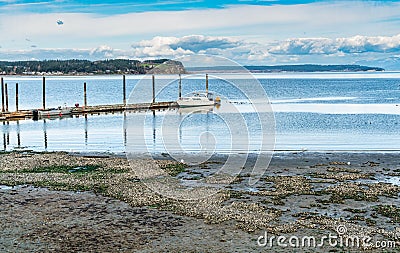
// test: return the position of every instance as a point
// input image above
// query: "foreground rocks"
(40, 220)
(105, 207)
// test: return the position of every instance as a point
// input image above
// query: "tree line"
(71, 67)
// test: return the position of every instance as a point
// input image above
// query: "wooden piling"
(180, 86)
(124, 89)
(16, 97)
(154, 90)
(6, 94)
(84, 95)
(207, 83)
(2, 94)
(44, 92)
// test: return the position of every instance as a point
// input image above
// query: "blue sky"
(264, 32)
(109, 7)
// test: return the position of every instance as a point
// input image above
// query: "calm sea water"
(313, 111)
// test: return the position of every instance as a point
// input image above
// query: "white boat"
(54, 112)
(198, 99)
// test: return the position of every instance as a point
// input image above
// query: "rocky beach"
(61, 202)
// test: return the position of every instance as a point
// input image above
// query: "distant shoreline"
(304, 68)
(163, 66)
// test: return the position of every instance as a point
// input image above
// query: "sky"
(250, 32)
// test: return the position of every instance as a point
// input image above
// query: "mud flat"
(59, 202)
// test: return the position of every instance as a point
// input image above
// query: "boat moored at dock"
(198, 99)
(52, 112)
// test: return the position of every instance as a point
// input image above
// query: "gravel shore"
(58, 202)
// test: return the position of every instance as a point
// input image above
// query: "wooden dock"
(5, 115)
(28, 114)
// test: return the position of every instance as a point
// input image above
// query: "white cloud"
(158, 47)
(102, 51)
(197, 43)
(173, 47)
(186, 45)
(303, 46)
(339, 46)
(361, 44)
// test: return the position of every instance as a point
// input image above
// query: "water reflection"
(45, 134)
(206, 144)
(113, 132)
(95, 132)
(4, 141)
(6, 135)
(18, 135)
(154, 129)
(200, 110)
(86, 130)
(125, 127)
(195, 130)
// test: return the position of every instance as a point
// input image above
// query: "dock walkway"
(28, 114)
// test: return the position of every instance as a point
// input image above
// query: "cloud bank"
(369, 50)
(352, 45)
(186, 45)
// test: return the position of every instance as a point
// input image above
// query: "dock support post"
(44, 92)
(180, 86)
(207, 83)
(6, 94)
(124, 89)
(154, 90)
(84, 95)
(16, 97)
(2, 94)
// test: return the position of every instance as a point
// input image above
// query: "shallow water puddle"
(5, 187)
(393, 180)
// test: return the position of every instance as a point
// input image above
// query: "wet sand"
(109, 209)
(40, 220)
